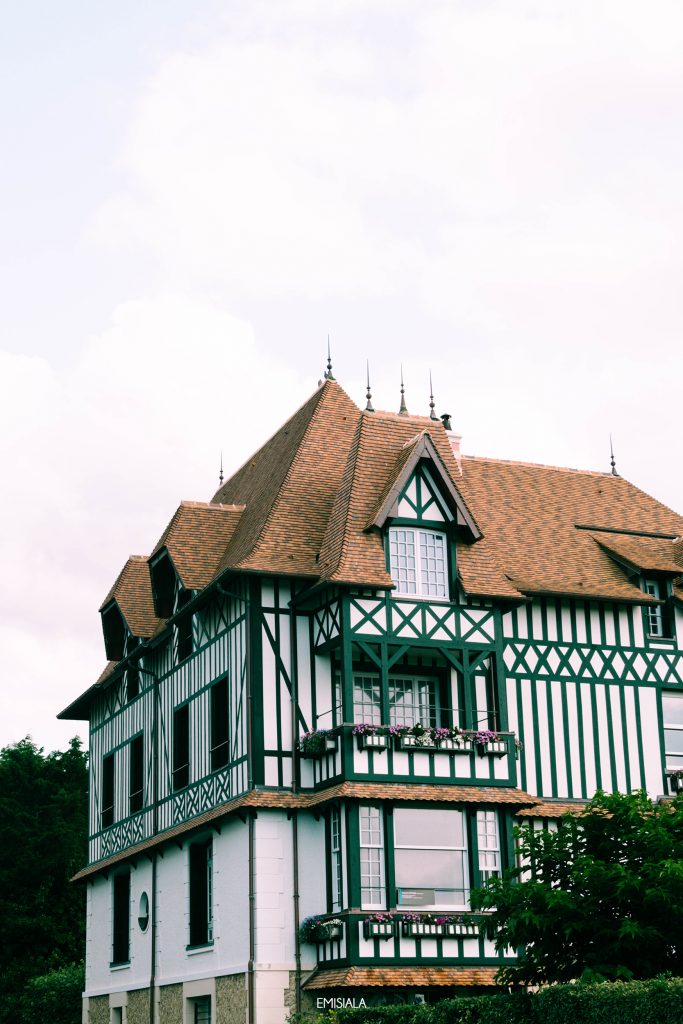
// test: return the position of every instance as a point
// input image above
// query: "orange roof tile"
(651, 554)
(196, 539)
(132, 592)
(529, 514)
(399, 977)
(550, 809)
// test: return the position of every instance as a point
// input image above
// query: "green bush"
(658, 1001)
(53, 998)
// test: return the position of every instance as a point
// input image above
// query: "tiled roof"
(651, 554)
(132, 592)
(399, 977)
(285, 800)
(529, 514)
(289, 487)
(196, 539)
(550, 809)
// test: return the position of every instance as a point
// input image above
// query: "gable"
(421, 489)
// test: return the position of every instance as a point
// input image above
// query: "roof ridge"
(544, 465)
(211, 506)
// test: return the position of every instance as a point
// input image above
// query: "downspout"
(294, 695)
(251, 1009)
(155, 829)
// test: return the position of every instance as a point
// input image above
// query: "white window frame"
(654, 612)
(422, 590)
(372, 875)
(336, 859)
(451, 847)
(367, 686)
(488, 842)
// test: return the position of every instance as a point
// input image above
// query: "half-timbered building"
(331, 692)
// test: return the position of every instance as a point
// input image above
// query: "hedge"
(658, 1001)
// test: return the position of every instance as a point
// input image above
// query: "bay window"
(418, 562)
(672, 713)
(412, 699)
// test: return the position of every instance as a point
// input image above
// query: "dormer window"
(418, 562)
(657, 621)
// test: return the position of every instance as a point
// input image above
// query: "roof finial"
(328, 372)
(432, 414)
(612, 459)
(368, 407)
(403, 411)
(220, 475)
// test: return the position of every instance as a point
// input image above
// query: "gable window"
(672, 713)
(136, 793)
(181, 746)
(430, 851)
(121, 918)
(220, 740)
(371, 857)
(418, 562)
(201, 893)
(656, 617)
(107, 814)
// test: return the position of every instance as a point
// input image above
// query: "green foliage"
(601, 898)
(53, 997)
(43, 808)
(658, 1001)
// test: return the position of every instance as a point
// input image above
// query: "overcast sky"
(193, 194)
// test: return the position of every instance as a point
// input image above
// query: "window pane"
(428, 828)
(432, 565)
(412, 701)
(402, 560)
(673, 741)
(371, 857)
(672, 706)
(430, 869)
(367, 703)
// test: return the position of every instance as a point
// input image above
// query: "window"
(121, 918)
(335, 859)
(417, 562)
(201, 893)
(220, 740)
(656, 618)
(430, 858)
(183, 627)
(116, 1015)
(367, 699)
(132, 682)
(181, 746)
(371, 857)
(412, 699)
(489, 844)
(137, 767)
(672, 713)
(201, 1010)
(108, 791)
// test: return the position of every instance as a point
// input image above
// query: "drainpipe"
(155, 829)
(294, 694)
(252, 926)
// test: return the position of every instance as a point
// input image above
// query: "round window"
(143, 912)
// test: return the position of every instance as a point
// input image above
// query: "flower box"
(335, 931)
(378, 929)
(462, 928)
(420, 929)
(314, 745)
(456, 744)
(416, 743)
(372, 741)
(317, 929)
(495, 747)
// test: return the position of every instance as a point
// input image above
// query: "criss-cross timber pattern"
(125, 833)
(568, 661)
(195, 799)
(327, 623)
(421, 621)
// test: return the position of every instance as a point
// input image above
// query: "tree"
(43, 810)
(601, 896)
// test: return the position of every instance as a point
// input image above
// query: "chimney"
(454, 438)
